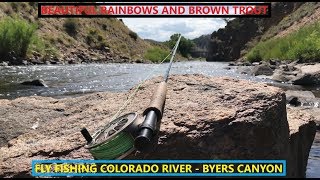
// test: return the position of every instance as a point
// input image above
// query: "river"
(75, 80)
(84, 78)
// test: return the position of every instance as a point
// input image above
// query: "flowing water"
(74, 80)
(78, 79)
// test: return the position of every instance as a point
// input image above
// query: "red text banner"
(154, 9)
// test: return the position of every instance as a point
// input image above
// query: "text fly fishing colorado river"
(71, 80)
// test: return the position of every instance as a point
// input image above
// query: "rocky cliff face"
(226, 44)
(201, 46)
(204, 118)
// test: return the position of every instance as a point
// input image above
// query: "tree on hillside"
(185, 45)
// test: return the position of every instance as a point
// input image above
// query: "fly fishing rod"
(127, 133)
(153, 114)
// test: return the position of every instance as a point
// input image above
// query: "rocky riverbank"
(300, 76)
(75, 56)
(305, 74)
(205, 118)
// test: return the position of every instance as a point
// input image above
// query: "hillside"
(242, 34)
(76, 40)
(298, 38)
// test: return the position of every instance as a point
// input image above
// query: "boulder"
(297, 98)
(37, 82)
(307, 79)
(25, 62)
(244, 70)
(262, 69)
(36, 61)
(246, 63)
(240, 63)
(204, 118)
(310, 75)
(301, 94)
(302, 132)
(274, 62)
(284, 67)
(298, 74)
(256, 63)
(315, 112)
(279, 76)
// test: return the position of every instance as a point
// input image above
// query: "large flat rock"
(204, 118)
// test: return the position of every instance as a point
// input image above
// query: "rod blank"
(166, 75)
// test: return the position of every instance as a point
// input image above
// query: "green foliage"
(45, 49)
(133, 35)
(255, 56)
(303, 45)
(15, 35)
(71, 26)
(185, 45)
(156, 54)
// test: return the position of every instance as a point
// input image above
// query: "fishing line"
(116, 142)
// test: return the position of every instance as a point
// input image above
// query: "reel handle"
(85, 133)
(146, 132)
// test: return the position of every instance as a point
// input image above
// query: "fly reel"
(115, 140)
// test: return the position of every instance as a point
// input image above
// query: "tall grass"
(156, 54)
(46, 49)
(303, 45)
(15, 35)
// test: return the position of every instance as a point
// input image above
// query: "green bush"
(185, 45)
(104, 27)
(95, 39)
(303, 45)
(156, 54)
(15, 35)
(133, 35)
(44, 48)
(254, 56)
(71, 26)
